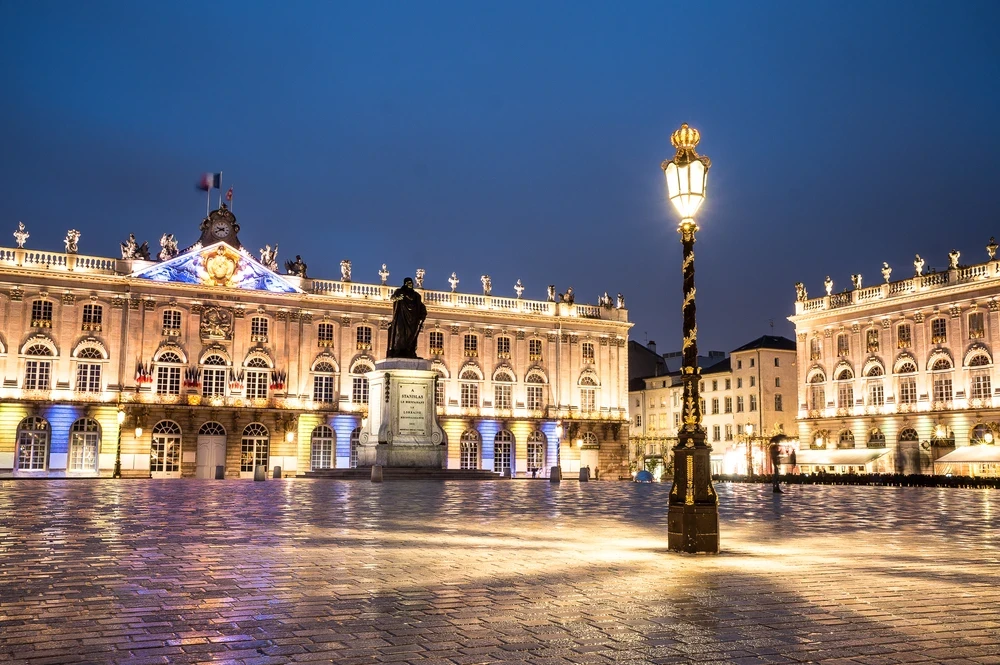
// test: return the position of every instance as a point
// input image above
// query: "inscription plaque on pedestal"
(413, 409)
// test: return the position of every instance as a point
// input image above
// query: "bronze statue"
(408, 314)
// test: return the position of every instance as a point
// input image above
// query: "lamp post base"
(693, 529)
(693, 512)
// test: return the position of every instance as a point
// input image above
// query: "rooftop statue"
(828, 285)
(21, 235)
(168, 247)
(345, 270)
(918, 266)
(296, 267)
(71, 240)
(408, 314)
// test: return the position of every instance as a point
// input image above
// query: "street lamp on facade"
(555, 473)
(117, 473)
(693, 513)
(748, 432)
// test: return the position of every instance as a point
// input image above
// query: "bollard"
(276, 473)
(377, 473)
(260, 472)
(585, 474)
(555, 474)
(506, 473)
(220, 472)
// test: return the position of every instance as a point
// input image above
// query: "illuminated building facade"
(209, 357)
(899, 376)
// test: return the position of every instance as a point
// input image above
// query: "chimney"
(651, 345)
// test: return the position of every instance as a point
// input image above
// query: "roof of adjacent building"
(768, 342)
(724, 365)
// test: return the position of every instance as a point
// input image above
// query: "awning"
(971, 455)
(846, 456)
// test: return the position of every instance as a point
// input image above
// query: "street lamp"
(555, 473)
(748, 431)
(693, 513)
(117, 473)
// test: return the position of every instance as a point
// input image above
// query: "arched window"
(32, 444)
(469, 449)
(168, 374)
(165, 449)
(503, 390)
(257, 378)
(212, 429)
(503, 452)
(254, 447)
(845, 388)
(536, 452)
(908, 434)
(875, 370)
(876, 439)
(535, 390)
(588, 394)
(359, 382)
(980, 359)
(846, 439)
(906, 367)
(324, 442)
(213, 376)
(817, 393)
(845, 374)
(324, 389)
(589, 440)
(84, 443)
(88, 374)
(469, 384)
(355, 443)
(38, 372)
(982, 434)
(941, 364)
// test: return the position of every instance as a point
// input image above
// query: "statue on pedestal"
(856, 280)
(620, 303)
(408, 314)
(269, 257)
(345, 270)
(519, 288)
(552, 293)
(800, 292)
(21, 235)
(918, 266)
(71, 240)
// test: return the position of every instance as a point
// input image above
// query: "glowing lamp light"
(686, 173)
(289, 436)
(939, 431)
(579, 443)
(559, 430)
(988, 438)
(748, 429)
(138, 432)
(121, 416)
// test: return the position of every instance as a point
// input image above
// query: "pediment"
(218, 265)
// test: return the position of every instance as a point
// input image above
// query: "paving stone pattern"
(458, 573)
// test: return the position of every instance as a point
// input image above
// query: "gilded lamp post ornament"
(693, 513)
(21, 235)
(886, 271)
(918, 266)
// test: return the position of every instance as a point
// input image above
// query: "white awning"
(971, 455)
(836, 457)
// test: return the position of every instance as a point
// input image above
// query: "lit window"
(534, 349)
(536, 452)
(903, 336)
(845, 395)
(364, 337)
(814, 349)
(213, 376)
(88, 375)
(843, 345)
(777, 403)
(436, 342)
(471, 345)
(939, 331)
(41, 314)
(977, 329)
(588, 352)
(171, 323)
(324, 335)
(503, 390)
(908, 390)
(93, 316)
(258, 329)
(942, 389)
(38, 373)
(876, 393)
(257, 379)
(165, 448)
(168, 378)
(503, 347)
(84, 441)
(32, 444)
(323, 387)
(469, 450)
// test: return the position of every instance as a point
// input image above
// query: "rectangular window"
(753, 381)
(41, 314)
(729, 405)
(470, 396)
(739, 404)
(535, 398)
(171, 323)
(776, 362)
(716, 433)
(471, 346)
(977, 329)
(903, 336)
(729, 432)
(753, 402)
(435, 341)
(843, 345)
(908, 390)
(534, 349)
(777, 403)
(588, 400)
(677, 420)
(817, 398)
(213, 382)
(364, 338)
(942, 389)
(588, 352)
(845, 395)
(502, 396)
(980, 388)
(258, 329)
(939, 331)
(638, 421)
(37, 375)
(88, 378)
(255, 385)
(739, 364)
(324, 335)
(739, 382)
(701, 387)
(814, 349)
(715, 406)
(93, 317)
(876, 393)
(359, 389)
(439, 387)
(753, 361)
(323, 389)
(503, 347)
(168, 380)
(729, 384)
(715, 385)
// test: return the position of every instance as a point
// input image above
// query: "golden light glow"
(686, 173)
(121, 417)
(289, 436)
(138, 432)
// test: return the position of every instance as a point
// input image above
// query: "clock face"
(220, 229)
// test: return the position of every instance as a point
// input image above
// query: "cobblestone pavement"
(437, 573)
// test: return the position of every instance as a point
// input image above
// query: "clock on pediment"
(220, 226)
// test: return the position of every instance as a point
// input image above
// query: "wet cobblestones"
(463, 572)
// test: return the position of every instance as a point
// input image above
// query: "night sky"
(522, 140)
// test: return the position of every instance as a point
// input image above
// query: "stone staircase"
(403, 473)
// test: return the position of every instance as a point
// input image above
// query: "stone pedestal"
(402, 428)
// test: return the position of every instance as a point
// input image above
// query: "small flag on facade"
(210, 181)
(229, 195)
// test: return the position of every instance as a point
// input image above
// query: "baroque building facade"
(209, 357)
(899, 376)
(745, 399)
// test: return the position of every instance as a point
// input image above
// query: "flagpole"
(231, 199)
(208, 200)
(220, 189)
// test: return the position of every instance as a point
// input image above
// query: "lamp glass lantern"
(121, 417)
(686, 186)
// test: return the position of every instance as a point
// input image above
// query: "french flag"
(210, 181)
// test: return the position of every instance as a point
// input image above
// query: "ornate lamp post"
(118, 452)
(693, 513)
(555, 474)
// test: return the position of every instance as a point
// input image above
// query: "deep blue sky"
(519, 140)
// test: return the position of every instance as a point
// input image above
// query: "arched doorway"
(211, 449)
